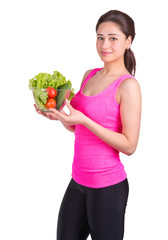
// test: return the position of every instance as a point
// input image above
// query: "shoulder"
(85, 75)
(129, 88)
(129, 84)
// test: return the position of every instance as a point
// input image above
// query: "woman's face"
(111, 42)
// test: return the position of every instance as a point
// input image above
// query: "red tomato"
(51, 103)
(52, 93)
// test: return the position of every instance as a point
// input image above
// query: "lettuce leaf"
(44, 80)
(40, 98)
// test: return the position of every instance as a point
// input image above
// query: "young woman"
(105, 116)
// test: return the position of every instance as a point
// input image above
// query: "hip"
(98, 179)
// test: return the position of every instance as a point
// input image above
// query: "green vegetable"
(45, 80)
(72, 94)
(62, 95)
(40, 97)
(67, 85)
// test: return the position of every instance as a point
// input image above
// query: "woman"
(105, 116)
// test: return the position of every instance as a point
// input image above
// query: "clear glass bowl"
(62, 95)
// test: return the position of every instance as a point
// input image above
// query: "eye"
(100, 38)
(113, 39)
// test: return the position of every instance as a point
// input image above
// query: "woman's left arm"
(130, 112)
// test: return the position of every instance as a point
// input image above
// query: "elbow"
(129, 153)
(130, 150)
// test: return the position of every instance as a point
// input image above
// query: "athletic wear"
(95, 163)
(99, 212)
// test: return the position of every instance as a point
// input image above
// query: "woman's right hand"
(44, 113)
(69, 128)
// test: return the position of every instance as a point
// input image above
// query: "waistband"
(84, 189)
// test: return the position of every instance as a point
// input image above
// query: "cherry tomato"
(51, 103)
(52, 93)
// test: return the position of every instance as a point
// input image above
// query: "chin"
(108, 59)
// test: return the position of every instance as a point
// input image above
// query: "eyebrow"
(110, 34)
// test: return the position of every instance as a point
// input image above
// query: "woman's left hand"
(75, 116)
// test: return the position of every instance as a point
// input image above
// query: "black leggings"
(96, 211)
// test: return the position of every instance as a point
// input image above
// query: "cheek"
(116, 44)
(97, 45)
(99, 42)
(120, 47)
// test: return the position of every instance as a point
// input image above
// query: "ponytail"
(130, 62)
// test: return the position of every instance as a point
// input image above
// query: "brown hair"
(127, 26)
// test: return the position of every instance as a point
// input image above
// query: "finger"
(37, 109)
(44, 114)
(41, 112)
(35, 106)
(62, 111)
(68, 105)
(58, 114)
(53, 112)
(52, 116)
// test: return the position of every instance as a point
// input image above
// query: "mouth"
(106, 53)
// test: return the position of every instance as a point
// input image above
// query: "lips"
(106, 53)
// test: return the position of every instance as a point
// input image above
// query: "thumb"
(62, 111)
(68, 105)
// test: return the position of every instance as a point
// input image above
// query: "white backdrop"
(36, 154)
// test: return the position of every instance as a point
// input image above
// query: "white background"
(36, 154)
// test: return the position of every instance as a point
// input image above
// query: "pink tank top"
(95, 163)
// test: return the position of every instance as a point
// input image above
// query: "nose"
(106, 43)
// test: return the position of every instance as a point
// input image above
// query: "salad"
(50, 91)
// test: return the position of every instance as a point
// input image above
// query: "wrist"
(85, 121)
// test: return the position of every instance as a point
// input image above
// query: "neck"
(115, 68)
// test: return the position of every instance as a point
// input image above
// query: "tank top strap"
(91, 74)
(118, 81)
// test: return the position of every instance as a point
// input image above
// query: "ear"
(128, 42)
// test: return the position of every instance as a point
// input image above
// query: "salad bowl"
(51, 91)
(44, 101)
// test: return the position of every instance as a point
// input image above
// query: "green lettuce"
(40, 97)
(44, 80)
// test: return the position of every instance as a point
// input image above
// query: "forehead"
(109, 28)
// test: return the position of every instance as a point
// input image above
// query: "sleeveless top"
(95, 163)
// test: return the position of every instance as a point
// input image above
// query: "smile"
(106, 53)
